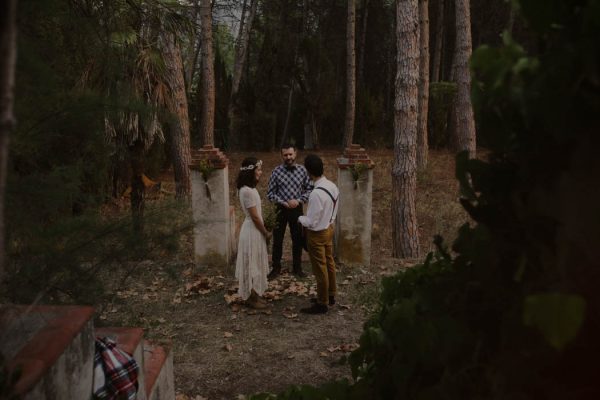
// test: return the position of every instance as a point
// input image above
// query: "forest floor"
(222, 349)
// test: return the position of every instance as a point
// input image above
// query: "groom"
(319, 221)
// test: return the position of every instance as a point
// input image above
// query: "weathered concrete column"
(353, 223)
(213, 237)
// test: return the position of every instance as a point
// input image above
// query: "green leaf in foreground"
(557, 316)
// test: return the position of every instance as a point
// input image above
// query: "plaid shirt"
(289, 184)
(115, 372)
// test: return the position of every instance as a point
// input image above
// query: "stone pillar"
(213, 238)
(353, 222)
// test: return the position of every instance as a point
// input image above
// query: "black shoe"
(300, 274)
(274, 273)
(315, 309)
(331, 300)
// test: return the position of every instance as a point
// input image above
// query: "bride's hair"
(246, 175)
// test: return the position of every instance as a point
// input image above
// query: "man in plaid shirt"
(289, 187)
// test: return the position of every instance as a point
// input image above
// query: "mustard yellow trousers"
(320, 251)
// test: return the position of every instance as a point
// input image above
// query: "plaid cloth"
(115, 372)
(289, 184)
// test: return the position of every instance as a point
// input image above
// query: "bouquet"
(270, 212)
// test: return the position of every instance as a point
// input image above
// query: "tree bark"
(193, 49)
(404, 171)
(179, 121)
(350, 75)
(8, 58)
(465, 122)
(363, 39)
(439, 40)
(422, 145)
(208, 75)
(286, 127)
(241, 48)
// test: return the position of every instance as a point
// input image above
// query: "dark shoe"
(300, 274)
(331, 300)
(274, 274)
(315, 309)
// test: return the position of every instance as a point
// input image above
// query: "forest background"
(98, 99)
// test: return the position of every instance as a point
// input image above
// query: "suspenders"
(332, 199)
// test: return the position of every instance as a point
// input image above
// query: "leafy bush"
(67, 260)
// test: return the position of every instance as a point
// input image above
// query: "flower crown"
(251, 166)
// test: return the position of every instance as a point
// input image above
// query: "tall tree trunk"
(350, 74)
(137, 199)
(313, 130)
(422, 145)
(208, 75)
(8, 58)
(179, 121)
(241, 48)
(193, 49)
(363, 39)
(465, 123)
(286, 127)
(404, 171)
(439, 39)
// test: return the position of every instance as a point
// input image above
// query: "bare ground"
(222, 350)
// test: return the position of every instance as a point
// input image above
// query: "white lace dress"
(252, 263)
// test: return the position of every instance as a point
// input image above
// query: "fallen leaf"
(230, 298)
(267, 312)
(228, 347)
(291, 356)
(323, 354)
(227, 334)
(349, 347)
(161, 320)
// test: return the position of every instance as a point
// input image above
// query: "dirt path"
(222, 350)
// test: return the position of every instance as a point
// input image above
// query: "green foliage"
(357, 171)
(63, 260)
(557, 316)
(270, 214)
(225, 44)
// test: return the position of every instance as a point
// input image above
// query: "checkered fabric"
(115, 372)
(289, 184)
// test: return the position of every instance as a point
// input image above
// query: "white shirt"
(321, 211)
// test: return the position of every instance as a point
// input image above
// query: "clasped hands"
(293, 203)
